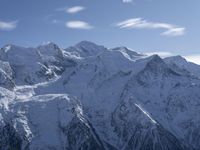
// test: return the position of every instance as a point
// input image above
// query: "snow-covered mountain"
(88, 97)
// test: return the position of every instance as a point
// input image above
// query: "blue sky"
(168, 26)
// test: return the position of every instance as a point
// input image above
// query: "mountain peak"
(157, 65)
(176, 59)
(156, 58)
(129, 53)
(86, 49)
(11, 46)
(89, 45)
(49, 49)
(83, 43)
(155, 61)
(6, 48)
(49, 45)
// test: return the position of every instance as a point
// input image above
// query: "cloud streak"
(78, 25)
(7, 26)
(139, 23)
(174, 32)
(71, 10)
(127, 1)
(75, 9)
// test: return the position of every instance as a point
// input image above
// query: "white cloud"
(139, 23)
(71, 10)
(127, 1)
(78, 25)
(75, 9)
(193, 58)
(162, 54)
(7, 26)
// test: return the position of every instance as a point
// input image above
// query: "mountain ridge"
(90, 97)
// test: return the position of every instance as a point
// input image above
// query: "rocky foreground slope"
(88, 97)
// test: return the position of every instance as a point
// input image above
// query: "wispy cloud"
(174, 32)
(71, 10)
(127, 1)
(139, 23)
(78, 25)
(7, 26)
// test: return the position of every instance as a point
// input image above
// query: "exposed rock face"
(89, 97)
(6, 76)
(9, 138)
